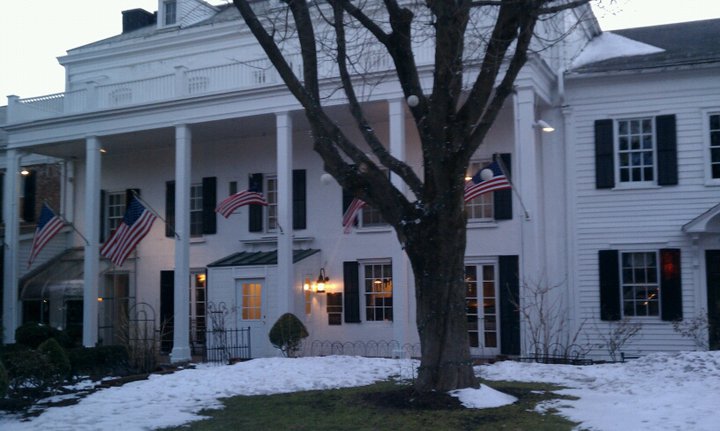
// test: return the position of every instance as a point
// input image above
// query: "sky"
(34, 33)
(657, 392)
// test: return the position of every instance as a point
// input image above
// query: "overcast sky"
(34, 33)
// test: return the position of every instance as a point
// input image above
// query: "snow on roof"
(610, 45)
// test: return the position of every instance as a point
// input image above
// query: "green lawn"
(382, 406)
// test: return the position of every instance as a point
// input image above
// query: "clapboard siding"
(651, 218)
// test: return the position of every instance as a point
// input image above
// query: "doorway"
(482, 309)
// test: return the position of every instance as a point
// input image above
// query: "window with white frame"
(371, 217)
(114, 210)
(378, 291)
(640, 285)
(271, 196)
(636, 150)
(170, 12)
(714, 139)
(251, 301)
(196, 210)
(480, 208)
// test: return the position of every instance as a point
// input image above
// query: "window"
(196, 210)
(640, 288)
(197, 298)
(482, 207)
(334, 308)
(481, 303)
(377, 281)
(170, 14)
(251, 301)
(714, 132)
(370, 217)
(636, 159)
(115, 210)
(271, 196)
(636, 152)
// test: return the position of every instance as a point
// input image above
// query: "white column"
(92, 234)
(181, 330)
(285, 288)
(11, 217)
(401, 265)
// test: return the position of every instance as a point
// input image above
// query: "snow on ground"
(672, 391)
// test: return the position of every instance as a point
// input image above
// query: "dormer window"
(170, 12)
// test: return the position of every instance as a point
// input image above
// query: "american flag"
(245, 197)
(48, 226)
(135, 225)
(351, 214)
(477, 185)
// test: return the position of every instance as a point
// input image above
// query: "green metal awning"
(259, 258)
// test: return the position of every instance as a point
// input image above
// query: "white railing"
(184, 82)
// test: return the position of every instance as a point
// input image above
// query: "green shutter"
(670, 285)
(502, 199)
(604, 155)
(299, 200)
(255, 212)
(167, 310)
(170, 209)
(666, 133)
(28, 209)
(209, 201)
(103, 209)
(609, 274)
(351, 292)
(509, 280)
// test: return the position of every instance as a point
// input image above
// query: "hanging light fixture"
(321, 280)
(306, 285)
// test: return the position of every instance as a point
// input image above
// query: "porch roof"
(247, 258)
(707, 222)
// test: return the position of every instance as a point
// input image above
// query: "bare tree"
(452, 120)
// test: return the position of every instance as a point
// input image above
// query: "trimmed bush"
(99, 361)
(287, 333)
(58, 359)
(32, 334)
(28, 371)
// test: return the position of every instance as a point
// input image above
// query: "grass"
(382, 406)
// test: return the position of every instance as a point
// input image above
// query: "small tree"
(60, 368)
(287, 333)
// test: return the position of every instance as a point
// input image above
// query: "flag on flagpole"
(351, 214)
(245, 197)
(48, 226)
(135, 225)
(488, 179)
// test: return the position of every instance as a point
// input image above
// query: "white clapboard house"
(613, 222)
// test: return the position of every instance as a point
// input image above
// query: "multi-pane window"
(251, 305)
(377, 279)
(334, 308)
(371, 217)
(196, 210)
(636, 155)
(271, 213)
(170, 12)
(482, 206)
(714, 145)
(481, 303)
(115, 207)
(198, 307)
(640, 287)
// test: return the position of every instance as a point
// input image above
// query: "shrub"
(59, 363)
(287, 333)
(99, 361)
(28, 371)
(3, 381)
(31, 334)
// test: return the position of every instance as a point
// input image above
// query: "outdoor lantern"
(306, 285)
(321, 280)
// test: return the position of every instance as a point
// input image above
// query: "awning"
(259, 258)
(707, 222)
(63, 273)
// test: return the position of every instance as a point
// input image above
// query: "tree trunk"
(437, 258)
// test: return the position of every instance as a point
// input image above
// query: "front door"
(712, 270)
(482, 310)
(252, 310)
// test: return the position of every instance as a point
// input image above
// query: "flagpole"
(72, 226)
(512, 186)
(152, 210)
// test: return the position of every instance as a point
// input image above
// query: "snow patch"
(610, 45)
(482, 398)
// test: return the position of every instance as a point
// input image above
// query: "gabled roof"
(707, 222)
(259, 258)
(688, 43)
